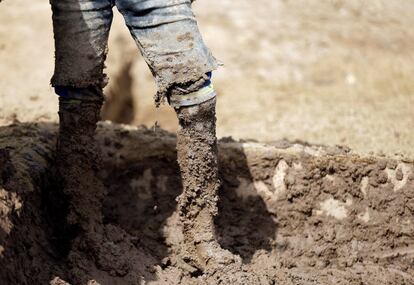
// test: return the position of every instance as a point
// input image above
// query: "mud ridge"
(295, 213)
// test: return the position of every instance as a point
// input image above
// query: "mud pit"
(295, 213)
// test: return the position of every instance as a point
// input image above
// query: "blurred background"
(336, 72)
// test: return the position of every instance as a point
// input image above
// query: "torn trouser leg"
(167, 34)
(191, 94)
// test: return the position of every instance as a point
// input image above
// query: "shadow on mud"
(142, 196)
(26, 253)
(141, 199)
(244, 225)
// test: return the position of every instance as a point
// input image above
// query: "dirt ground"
(295, 214)
(299, 79)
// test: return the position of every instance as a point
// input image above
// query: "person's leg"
(197, 157)
(166, 32)
(167, 35)
(81, 31)
(77, 159)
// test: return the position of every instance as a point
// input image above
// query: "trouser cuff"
(195, 98)
(90, 94)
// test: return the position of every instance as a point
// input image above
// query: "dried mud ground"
(295, 213)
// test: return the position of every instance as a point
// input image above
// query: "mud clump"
(294, 213)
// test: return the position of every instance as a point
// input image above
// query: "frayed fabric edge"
(164, 88)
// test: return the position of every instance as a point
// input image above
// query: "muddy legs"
(197, 157)
(77, 162)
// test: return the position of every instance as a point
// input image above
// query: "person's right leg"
(81, 29)
(198, 160)
(166, 32)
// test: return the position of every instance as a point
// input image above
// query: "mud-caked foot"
(202, 247)
(212, 256)
(107, 251)
(206, 258)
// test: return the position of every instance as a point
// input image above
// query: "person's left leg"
(81, 29)
(78, 159)
(167, 34)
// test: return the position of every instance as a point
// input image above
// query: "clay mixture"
(293, 213)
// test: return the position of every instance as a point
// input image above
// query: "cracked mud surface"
(294, 213)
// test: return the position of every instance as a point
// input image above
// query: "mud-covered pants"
(165, 31)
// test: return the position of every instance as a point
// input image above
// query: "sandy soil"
(296, 214)
(333, 72)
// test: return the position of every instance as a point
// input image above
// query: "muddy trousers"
(78, 164)
(167, 35)
(165, 32)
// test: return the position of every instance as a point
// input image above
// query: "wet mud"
(294, 213)
(197, 205)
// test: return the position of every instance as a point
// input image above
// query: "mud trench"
(295, 213)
